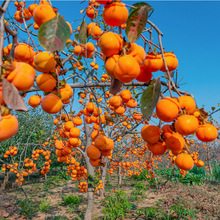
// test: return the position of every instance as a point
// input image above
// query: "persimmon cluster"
(12, 151)
(76, 171)
(83, 186)
(102, 146)
(186, 121)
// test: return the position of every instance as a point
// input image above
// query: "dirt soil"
(205, 199)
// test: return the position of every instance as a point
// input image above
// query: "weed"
(149, 212)
(44, 205)
(28, 208)
(117, 206)
(71, 200)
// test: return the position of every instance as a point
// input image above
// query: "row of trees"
(93, 79)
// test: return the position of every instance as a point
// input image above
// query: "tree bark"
(90, 192)
(119, 176)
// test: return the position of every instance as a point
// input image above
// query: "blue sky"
(191, 30)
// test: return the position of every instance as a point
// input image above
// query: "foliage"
(139, 189)
(181, 212)
(192, 178)
(149, 212)
(216, 172)
(174, 212)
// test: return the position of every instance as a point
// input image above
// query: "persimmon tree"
(116, 101)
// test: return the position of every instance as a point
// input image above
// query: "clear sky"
(191, 29)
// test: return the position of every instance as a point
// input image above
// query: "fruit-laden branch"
(105, 84)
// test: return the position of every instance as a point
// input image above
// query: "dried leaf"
(12, 97)
(116, 86)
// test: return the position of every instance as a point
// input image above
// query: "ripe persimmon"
(166, 131)
(95, 163)
(1, 95)
(126, 69)
(200, 163)
(186, 124)
(110, 44)
(46, 82)
(22, 77)
(158, 148)
(44, 62)
(175, 142)
(137, 52)
(74, 132)
(34, 101)
(153, 62)
(115, 101)
(8, 126)
(77, 121)
(187, 103)
(144, 75)
(43, 13)
(32, 7)
(115, 14)
(110, 65)
(66, 92)
(51, 104)
(125, 95)
(150, 133)
(206, 133)
(93, 152)
(101, 142)
(132, 103)
(184, 161)
(167, 109)
(24, 52)
(171, 62)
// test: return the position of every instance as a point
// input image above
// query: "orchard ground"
(59, 198)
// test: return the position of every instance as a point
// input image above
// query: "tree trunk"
(90, 192)
(209, 164)
(5, 180)
(104, 171)
(90, 170)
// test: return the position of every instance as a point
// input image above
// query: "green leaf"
(150, 98)
(70, 50)
(137, 20)
(53, 34)
(83, 32)
(76, 37)
(96, 181)
(29, 25)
